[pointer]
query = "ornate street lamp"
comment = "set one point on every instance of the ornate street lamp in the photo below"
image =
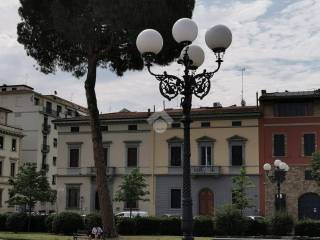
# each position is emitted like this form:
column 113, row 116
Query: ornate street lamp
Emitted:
column 149, row 43
column 277, row 175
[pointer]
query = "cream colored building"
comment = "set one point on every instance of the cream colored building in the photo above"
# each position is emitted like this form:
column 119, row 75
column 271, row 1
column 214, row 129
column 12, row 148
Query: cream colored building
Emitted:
column 222, row 140
column 10, row 145
column 34, row 113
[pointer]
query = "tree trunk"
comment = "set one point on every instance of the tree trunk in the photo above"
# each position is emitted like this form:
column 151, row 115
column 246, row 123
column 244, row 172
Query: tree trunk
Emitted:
column 101, row 178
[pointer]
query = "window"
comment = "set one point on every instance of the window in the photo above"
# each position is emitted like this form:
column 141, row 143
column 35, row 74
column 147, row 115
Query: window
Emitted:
column 36, row 101
column 236, row 123
column 14, row 89
column 308, row 175
column 289, row 109
column 53, row 180
column 55, row 142
column 105, row 155
column 4, row 89
column 1, row 142
column 205, row 154
column 12, row 169
column 54, row 161
column 175, row 198
column 14, row 145
column 73, row 196
column 59, row 110
column 1, row 166
column 175, row 125
column 236, row 155
column 74, row 157
column 69, row 112
column 132, row 156
column 104, row 128
column 74, row 129
column 48, row 107
column 1, row 190
column 279, row 145
column 96, row 201
column 131, row 205
column 175, row 154
column 309, row 142
column 205, row 124
column 132, row 127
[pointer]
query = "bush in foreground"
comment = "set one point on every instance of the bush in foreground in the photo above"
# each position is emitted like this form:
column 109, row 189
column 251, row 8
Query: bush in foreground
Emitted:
column 3, row 220
column 67, row 223
column 203, row 227
column 170, row 226
column 259, row 227
column 92, row 220
column 230, row 222
column 307, row 227
column 17, row 222
column 282, row 224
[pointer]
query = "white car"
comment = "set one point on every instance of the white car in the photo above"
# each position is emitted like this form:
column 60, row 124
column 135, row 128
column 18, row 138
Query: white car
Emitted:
column 133, row 214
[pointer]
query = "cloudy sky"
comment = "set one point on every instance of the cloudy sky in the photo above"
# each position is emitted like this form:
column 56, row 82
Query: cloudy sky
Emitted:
column 277, row 42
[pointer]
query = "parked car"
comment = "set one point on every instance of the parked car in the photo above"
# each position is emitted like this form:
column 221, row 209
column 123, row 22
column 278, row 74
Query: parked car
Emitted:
column 133, row 214
column 255, row 218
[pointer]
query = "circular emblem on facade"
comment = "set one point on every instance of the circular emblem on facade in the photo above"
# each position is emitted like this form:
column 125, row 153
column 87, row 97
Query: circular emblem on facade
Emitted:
column 160, row 126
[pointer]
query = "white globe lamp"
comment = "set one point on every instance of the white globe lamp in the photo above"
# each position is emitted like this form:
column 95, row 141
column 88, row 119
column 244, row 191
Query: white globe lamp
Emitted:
column 184, row 30
column 218, row 38
column 149, row 41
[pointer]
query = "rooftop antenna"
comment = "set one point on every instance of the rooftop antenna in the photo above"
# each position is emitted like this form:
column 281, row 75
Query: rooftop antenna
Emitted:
column 243, row 102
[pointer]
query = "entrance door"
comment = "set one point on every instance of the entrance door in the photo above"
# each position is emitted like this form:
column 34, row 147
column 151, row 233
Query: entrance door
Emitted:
column 309, row 206
column 206, row 201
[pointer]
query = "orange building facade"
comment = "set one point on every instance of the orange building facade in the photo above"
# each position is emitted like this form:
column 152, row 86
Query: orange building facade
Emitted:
column 289, row 130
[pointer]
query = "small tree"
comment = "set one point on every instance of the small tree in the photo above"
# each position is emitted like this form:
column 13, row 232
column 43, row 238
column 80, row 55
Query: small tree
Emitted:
column 28, row 187
column 240, row 198
column 315, row 167
column 132, row 189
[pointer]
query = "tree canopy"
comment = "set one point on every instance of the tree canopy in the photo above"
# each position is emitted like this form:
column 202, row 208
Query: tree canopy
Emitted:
column 61, row 34
column 132, row 189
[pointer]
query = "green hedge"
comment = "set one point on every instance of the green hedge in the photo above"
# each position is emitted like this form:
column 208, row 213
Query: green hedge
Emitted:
column 92, row 220
column 17, row 222
column 3, row 220
column 307, row 227
column 258, row 227
column 203, row 227
column 49, row 222
column 281, row 224
column 170, row 226
column 230, row 222
column 67, row 223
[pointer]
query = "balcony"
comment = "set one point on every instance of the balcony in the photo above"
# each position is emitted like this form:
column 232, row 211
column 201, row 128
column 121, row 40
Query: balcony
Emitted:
column 85, row 171
column 51, row 112
column 205, row 170
column 45, row 148
column 46, row 128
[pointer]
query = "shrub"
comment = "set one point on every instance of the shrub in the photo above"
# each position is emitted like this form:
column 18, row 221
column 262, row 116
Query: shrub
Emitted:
column 203, row 227
column 92, row 220
column 49, row 222
column 3, row 220
column 67, row 223
column 257, row 227
column 229, row 221
column 17, row 222
column 281, row 224
column 307, row 227
column 126, row 226
column 170, row 226
column 147, row 225
column 38, row 224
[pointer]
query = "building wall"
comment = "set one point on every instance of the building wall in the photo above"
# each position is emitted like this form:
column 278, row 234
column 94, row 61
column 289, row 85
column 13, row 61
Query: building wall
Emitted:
column 7, row 156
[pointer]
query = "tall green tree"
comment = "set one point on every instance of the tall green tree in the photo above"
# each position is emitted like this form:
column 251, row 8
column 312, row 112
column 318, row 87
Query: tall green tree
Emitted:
column 315, row 167
column 132, row 189
column 240, row 198
column 78, row 36
column 30, row 186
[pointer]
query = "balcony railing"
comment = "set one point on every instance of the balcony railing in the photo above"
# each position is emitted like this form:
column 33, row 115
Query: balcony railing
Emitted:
column 46, row 128
column 87, row 171
column 45, row 148
column 205, row 170
column 51, row 112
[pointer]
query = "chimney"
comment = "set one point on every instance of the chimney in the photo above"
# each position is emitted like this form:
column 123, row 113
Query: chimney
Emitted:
column 263, row 92
column 217, row 105
column 149, row 111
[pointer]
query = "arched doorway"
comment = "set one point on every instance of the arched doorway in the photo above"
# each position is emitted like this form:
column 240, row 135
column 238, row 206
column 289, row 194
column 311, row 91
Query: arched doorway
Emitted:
column 309, row 206
column 206, row 202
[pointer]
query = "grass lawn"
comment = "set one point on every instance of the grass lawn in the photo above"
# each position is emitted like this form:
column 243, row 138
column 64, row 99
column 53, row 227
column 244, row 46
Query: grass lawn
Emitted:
column 46, row 236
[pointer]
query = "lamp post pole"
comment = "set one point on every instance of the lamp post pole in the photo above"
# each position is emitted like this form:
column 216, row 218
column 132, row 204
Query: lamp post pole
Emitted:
column 149, row 43
column 278, row 176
